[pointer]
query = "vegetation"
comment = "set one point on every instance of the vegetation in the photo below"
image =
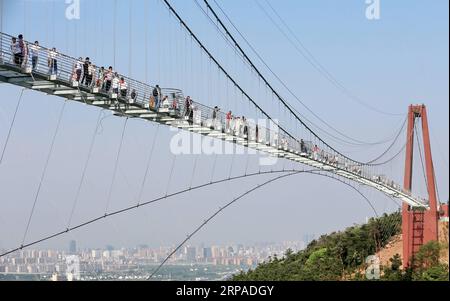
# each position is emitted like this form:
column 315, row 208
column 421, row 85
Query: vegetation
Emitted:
column 342, row 255
column 425, row 266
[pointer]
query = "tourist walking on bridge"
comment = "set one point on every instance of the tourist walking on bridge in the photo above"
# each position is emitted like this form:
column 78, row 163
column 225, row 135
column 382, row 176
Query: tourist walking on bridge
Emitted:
column 216, row 111
column 85, row 71
column 157, row 95
column 78, row 69
column 228, row 120
column 115, row 83
column 15, row 51
column 316, row 151
column 53, row 62
column 101, row 78
column 245, row 127
column 108, row 79
column 188, row 107
column 302, row 146
column 133, row 96
column 34, row 55
column 23, row 57
column 123, row 87
column 90, row 75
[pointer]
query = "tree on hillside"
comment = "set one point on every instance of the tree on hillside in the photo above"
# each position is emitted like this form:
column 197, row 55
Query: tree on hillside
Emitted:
column 394, row 272
column 426, row 265
column 335, row 256
column 323, row 265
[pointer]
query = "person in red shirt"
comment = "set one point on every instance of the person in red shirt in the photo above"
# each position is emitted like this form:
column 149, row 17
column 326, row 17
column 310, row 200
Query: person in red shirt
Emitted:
column 316, row 152
column 228, row 117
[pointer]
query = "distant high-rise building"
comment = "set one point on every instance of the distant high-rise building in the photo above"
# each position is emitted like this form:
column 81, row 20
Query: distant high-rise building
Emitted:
column 215, row 251
column 191, row 254
column 72, row 247
column 96, row 254
column 207, row 253
column 106, row 254
column 199, row 251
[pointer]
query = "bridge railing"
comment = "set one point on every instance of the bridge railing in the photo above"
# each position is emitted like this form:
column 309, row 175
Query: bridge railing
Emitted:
column 65, row 71
column 141, row 95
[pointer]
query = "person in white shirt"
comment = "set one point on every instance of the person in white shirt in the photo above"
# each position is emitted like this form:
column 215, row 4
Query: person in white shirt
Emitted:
column 237, row 126
column 123, row 87
column 34, row 55
column 101, row 78
column 15, row 51
column 108, row 78
column 115, row 83
column 78, row 69
column 52, row 61
column 90, row 74
column 233, row 125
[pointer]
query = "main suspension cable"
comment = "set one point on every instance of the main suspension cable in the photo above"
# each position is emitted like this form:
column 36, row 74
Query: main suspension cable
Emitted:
column 236, row 45
column 392, row 145
column 245, row 60
column 170, row 7
column 315, row 63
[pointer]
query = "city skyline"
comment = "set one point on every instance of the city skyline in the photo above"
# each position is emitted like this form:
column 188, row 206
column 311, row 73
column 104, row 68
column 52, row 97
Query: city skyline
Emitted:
column 73, row 245
column 136, row 263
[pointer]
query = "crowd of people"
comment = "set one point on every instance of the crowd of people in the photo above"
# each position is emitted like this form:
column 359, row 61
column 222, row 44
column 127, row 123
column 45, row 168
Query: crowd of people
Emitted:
column 106, row 80
column 19, row 50
column 84, row 72
column 21, row 53
column 235, row 125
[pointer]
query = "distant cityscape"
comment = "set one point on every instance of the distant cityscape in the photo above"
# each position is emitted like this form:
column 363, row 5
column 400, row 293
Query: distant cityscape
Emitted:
column 110, row 263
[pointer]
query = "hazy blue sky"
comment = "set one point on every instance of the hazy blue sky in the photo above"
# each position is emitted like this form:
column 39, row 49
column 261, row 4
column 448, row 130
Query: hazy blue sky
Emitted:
column 390, row 63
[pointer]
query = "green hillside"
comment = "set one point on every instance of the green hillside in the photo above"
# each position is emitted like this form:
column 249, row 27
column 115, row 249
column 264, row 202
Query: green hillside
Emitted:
column 342, row 255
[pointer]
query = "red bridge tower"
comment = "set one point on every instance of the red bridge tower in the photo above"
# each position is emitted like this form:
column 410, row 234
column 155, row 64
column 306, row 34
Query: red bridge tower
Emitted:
column 419, row 226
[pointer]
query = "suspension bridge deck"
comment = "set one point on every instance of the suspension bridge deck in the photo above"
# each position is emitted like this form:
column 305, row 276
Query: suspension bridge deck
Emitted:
column 174, row 113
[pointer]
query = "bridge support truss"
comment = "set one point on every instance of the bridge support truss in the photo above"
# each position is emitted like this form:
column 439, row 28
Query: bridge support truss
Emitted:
column 419, row 226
